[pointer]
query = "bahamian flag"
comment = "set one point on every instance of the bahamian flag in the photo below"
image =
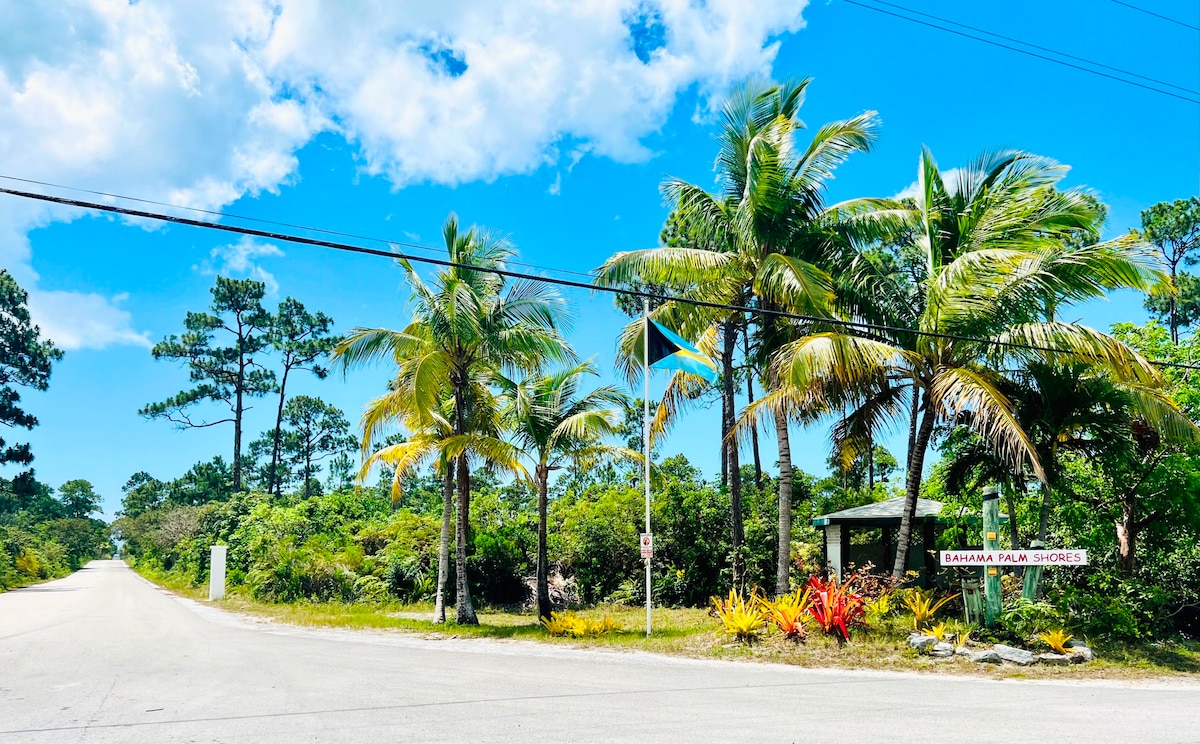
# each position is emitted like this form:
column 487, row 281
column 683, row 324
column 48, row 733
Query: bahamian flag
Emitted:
column 667, row 350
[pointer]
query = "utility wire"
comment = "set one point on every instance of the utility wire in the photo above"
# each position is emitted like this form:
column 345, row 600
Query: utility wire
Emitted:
column 1026, row 52
column 397, row 255
column 1157, row 15
column 214, row 213
column 1035, row 46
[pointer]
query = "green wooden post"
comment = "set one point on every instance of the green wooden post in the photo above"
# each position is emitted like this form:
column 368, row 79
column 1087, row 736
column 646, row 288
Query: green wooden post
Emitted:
column 1033, row 574
column 972, row 598
column 991, row 541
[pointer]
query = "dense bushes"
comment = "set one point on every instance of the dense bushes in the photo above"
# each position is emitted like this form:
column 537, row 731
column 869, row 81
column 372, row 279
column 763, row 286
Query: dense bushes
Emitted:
column 352, row 545
column 44, row 537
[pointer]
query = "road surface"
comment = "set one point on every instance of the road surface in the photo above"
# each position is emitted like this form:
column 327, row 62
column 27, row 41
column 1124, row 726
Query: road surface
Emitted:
column 104, row 656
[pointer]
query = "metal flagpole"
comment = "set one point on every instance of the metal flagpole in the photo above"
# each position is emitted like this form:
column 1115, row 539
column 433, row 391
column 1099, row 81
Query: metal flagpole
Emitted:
column 646, row 433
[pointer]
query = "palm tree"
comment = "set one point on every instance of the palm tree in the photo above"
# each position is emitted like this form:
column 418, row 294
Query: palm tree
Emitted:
column 466, row 327
column 998, row 250
column 767, row 238
column 553, row 424
column 431, row 440
column 1077, row 409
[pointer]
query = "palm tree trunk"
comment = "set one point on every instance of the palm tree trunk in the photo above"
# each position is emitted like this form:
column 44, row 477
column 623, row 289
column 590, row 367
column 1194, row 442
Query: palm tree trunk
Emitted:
column 783, row 565
column 1044, row 516
column 543, row 558
column 439, row 606
column 871, row 466
column 464, row 610
column 750, row 400
column 916, row 463
column 1127, row 533
column 731, row 451
column 274, row 482
column 1010, row 501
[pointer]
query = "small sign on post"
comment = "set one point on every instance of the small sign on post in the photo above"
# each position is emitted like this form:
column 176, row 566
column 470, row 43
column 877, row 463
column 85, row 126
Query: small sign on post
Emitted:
column 647, row 545
column 216, row 572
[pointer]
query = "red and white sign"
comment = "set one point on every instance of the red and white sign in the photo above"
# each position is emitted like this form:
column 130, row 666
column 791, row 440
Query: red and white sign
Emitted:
column 647, row 544
column 1014, row 557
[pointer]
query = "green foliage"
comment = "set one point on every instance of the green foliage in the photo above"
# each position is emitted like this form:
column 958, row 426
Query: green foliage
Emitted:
column 1025, row 619
column 79, row 499
column 25, row 362
column 1104, row 605
column 226, row 375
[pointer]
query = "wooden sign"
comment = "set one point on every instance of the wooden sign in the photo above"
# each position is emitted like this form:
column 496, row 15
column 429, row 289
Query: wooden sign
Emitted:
column 1014, row 558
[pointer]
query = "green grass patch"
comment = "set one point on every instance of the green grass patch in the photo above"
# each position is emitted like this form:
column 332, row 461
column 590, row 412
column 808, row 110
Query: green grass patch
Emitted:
column 693, row 633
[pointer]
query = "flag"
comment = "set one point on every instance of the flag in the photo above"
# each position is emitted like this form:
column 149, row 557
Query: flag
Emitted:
column 667, row 350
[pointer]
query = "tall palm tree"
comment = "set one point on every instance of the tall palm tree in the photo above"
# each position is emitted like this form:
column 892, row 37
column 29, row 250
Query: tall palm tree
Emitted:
column 432, row 440
column 553, row 423
column 767, row 237
column 998, row 251
column 469, row 324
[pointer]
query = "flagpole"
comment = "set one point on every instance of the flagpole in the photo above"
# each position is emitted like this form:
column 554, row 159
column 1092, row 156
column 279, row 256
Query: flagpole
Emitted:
column 646, row 433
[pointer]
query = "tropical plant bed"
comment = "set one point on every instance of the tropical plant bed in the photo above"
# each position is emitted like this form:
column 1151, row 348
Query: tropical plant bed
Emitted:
column 694, row 633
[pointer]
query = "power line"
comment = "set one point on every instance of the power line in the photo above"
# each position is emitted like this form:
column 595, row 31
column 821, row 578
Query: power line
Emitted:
column 1157, row 15
column 215, row 213
column 1025, row 52
column 396, row 255
column 1035, row 46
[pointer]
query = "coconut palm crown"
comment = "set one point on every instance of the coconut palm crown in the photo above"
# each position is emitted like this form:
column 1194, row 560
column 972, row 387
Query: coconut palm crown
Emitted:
column 997, row 249
column 470, row 323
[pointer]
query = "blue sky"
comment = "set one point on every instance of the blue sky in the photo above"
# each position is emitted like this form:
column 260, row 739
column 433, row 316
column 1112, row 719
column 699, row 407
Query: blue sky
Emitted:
column 554, row 129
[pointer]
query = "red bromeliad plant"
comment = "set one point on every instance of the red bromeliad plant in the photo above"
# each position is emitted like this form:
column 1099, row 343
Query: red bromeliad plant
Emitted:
column 836, row 606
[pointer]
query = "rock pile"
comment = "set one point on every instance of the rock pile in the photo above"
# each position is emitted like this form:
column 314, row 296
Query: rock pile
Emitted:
column 1077, row 652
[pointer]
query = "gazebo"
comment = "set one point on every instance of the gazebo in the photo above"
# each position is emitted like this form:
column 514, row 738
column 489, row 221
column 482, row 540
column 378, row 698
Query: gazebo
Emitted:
column 883, row 516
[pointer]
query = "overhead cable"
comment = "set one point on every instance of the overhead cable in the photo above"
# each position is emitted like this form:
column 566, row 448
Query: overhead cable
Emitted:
column 398, row 255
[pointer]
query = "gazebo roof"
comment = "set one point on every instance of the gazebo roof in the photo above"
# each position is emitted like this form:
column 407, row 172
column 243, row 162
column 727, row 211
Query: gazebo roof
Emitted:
column 883, row 513
column 879, row 514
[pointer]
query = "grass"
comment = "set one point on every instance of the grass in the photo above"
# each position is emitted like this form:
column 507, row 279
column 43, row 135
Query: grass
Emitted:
column 693, row 633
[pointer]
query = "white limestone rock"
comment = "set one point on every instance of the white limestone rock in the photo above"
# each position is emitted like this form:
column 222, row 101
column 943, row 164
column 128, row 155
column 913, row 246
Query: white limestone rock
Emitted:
column 1017, row 656
column 922, row 643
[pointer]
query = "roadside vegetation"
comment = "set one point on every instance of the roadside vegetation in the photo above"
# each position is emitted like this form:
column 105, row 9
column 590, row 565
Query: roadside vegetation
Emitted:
column 44, row 533
column 495, row 483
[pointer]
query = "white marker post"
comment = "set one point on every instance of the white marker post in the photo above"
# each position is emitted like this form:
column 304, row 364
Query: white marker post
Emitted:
column 646, row 444
column 216, row 572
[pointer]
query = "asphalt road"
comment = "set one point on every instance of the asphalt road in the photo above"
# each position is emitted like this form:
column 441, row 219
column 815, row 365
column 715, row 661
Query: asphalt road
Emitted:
column 103, row 656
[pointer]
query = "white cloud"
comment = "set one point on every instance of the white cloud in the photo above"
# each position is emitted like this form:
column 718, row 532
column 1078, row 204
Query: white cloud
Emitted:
column 949, row 179
column 556, row 188
column 239, row 260
column 202, row 103
column 91, row 320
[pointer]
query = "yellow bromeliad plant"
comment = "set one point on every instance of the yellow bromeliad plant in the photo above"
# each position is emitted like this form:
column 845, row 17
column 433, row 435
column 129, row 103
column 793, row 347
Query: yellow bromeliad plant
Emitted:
column 570, row 624
column 788, row 612
column 923, row 606
column 939, row 631
column 879, row 608
column 1056, row 640
column 741, row 617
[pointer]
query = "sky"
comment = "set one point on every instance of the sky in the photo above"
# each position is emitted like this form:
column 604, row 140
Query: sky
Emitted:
column 551, row 123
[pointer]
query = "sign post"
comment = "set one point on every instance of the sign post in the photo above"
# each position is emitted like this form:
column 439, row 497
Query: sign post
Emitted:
column 647, row 541
column 1033, row 575
column 216, row 572
column 991, row 541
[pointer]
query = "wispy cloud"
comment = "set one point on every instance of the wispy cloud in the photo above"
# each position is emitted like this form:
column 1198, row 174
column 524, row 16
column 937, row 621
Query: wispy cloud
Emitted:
column 240, row 259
